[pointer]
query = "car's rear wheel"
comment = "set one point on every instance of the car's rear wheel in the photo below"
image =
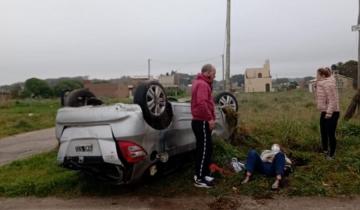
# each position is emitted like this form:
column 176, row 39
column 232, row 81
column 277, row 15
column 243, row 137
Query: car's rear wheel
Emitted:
column 81, row 97
column 227, row 100
column 153, row 101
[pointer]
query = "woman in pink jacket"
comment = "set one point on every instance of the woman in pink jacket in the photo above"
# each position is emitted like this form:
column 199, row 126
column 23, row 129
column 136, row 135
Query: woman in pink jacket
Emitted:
column 328, row 104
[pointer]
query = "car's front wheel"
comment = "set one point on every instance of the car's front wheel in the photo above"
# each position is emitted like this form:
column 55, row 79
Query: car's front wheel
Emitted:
column 156, row 109
column 227, row 100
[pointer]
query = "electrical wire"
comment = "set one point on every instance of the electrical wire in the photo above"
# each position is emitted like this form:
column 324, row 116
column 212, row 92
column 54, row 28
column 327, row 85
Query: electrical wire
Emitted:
column 186, row 63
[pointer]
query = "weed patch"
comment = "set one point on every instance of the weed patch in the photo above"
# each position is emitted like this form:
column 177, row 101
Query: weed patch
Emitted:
column 349, row 129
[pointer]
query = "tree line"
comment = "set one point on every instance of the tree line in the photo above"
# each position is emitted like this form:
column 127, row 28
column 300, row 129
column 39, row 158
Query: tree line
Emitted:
column 38, row 88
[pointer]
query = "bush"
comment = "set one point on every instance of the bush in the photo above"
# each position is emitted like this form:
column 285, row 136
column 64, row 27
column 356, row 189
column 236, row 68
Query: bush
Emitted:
column 37, row 88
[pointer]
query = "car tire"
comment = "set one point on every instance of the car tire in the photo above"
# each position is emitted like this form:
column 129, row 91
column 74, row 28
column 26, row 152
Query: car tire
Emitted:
column 156, row 109
column 81, row 97
column 226, row 99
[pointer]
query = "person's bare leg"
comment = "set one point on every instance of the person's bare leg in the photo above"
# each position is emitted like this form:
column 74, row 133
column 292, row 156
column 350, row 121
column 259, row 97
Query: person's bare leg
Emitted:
column 247, row 178
column 276, row 184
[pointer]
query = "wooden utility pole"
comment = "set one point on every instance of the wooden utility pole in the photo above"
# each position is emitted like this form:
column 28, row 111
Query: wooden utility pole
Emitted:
column 149, row 68
column 357, row 28
column 358, row 71
column 355, row 102
column 227, row 75
column 223, row 71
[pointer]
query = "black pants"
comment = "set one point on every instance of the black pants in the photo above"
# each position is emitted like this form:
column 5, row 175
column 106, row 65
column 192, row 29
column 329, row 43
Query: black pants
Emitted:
column 327, row 130
column 203, row 147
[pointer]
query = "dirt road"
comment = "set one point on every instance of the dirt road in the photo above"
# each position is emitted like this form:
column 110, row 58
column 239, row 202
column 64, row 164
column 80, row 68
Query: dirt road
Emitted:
column 184, row 203
column 26, row 144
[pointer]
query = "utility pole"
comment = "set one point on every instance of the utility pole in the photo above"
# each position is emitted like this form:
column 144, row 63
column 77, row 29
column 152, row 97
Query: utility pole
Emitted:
column 223, row 71
column 149, row 69
column 358, row 72
column 227, row 75
column 357, row 28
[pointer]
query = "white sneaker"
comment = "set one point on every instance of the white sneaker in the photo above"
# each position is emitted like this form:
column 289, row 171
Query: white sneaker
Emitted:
column 330, row 157
column 203, row 183
column 209, row 178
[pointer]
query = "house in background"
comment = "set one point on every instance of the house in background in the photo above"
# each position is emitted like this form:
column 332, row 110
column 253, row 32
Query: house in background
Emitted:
column 169, row 80
column 258, row 79
column 342, row 82
column 117, row 88
column 175, row 82
column 180, row 80
column 4, row 95
column 112, row 90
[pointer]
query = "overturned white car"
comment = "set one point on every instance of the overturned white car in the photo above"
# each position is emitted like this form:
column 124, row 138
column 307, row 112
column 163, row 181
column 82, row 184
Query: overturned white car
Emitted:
column 122, row 142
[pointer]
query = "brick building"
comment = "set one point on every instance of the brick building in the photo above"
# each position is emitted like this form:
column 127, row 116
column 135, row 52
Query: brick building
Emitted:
column 123, row 89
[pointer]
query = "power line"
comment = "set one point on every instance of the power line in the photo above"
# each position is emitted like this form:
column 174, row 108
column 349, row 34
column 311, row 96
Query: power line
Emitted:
column 186, row 63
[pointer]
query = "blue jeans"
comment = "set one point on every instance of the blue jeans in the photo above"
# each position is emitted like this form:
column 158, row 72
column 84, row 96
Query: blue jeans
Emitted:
column 254, row 163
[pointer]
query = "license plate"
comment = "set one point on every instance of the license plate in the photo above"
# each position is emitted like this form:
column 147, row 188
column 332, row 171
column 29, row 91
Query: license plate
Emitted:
column 84, row 148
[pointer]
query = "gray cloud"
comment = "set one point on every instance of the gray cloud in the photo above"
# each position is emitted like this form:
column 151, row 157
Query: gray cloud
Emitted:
column 107, row 39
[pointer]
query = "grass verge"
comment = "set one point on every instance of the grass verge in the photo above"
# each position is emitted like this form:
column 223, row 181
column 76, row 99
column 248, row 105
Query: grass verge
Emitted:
column 287, row 118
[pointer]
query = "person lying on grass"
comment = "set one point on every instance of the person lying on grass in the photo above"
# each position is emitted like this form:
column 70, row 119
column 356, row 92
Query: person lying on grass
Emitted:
column 272, row 163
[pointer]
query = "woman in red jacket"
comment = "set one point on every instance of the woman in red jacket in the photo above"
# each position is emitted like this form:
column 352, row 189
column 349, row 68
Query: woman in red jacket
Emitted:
column 327, row 100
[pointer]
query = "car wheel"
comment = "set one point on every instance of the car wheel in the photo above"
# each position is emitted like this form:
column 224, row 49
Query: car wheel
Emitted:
column 81, row 97
column 226, row 99
column 156, row 109
column 63, row 95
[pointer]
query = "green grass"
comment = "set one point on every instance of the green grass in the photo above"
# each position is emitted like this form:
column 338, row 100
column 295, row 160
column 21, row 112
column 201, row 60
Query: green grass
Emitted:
column 24, row 115
column 38, row 176
column 289, row 118
column 18, row 116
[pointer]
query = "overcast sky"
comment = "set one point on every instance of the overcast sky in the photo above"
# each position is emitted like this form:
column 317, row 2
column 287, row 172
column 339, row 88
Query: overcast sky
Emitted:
column 112, row 38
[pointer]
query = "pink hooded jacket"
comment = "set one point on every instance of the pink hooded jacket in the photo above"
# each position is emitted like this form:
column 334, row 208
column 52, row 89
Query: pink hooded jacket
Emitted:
column 327, row 96
column 202, row 104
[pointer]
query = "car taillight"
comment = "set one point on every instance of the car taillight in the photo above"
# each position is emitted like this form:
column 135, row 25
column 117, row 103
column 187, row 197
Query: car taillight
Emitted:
column 132, row 152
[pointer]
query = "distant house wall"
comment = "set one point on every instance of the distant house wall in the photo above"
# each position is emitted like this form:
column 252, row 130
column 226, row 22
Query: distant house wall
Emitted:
column 108, row 90
column 343, row 82
column 312, row 85
column 258, row 85
column 258, row 79
column 123, row 89
column 4, row 95
column 167, row 80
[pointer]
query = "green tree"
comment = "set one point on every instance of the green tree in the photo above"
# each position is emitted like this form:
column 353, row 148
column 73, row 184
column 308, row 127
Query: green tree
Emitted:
column 292, row 85
column 35, row 87
column 308, row 78
column 67, row 85
column 238, row 78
